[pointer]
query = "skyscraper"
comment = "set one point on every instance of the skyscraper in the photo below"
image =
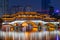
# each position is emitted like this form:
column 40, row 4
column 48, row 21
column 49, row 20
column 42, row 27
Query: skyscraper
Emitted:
column 45, row 4
column 3, row 6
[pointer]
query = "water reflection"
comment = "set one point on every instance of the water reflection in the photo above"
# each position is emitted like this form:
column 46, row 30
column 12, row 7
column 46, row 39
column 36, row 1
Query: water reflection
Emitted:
column 29, row 36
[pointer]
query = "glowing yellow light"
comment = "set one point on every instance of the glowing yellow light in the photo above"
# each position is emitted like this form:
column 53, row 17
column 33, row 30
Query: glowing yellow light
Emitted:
column 25, row 24
column 12, row 29
column 35, row 29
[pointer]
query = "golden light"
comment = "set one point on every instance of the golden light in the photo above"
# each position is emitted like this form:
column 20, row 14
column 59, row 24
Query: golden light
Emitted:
column 51, row 29
column 11, row 29
column 24, row 24
column 35, row 29
column 15, row 24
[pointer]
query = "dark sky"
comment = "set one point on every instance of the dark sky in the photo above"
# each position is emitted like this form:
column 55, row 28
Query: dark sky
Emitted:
column 56, row 4
column 34, row 3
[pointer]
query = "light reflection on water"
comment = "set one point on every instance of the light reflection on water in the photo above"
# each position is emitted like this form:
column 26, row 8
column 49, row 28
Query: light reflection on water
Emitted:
column 54, row 35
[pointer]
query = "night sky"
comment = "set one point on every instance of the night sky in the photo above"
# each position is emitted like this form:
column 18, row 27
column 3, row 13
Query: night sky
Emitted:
column 56, row 4
column 35, row 4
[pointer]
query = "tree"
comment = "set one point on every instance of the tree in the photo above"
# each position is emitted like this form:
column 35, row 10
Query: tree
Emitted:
column 1, row 23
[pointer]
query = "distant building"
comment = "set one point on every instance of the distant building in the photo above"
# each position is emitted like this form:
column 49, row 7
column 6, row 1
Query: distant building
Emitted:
column 28, row 9
column 15, row 9
column 45, row 4
column 3, row 6
column 18, row 8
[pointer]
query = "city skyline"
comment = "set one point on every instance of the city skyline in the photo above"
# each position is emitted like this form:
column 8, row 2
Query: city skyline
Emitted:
column 35, row 4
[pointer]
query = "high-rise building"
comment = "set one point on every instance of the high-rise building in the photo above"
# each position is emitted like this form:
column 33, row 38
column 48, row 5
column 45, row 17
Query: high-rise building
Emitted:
column 3, row 6
column 45, row 4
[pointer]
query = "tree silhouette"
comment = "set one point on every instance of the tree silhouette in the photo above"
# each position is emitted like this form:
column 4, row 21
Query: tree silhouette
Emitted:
column 1, row 23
